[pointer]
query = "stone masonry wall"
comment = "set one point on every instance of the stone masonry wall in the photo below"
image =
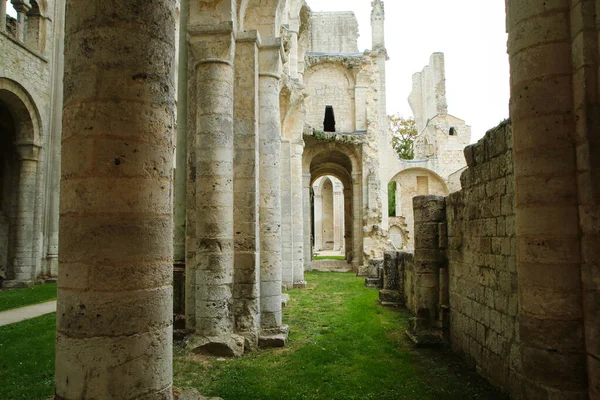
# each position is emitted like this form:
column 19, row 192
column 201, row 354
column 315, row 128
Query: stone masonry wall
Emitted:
column 482, row 260
column 333, row 32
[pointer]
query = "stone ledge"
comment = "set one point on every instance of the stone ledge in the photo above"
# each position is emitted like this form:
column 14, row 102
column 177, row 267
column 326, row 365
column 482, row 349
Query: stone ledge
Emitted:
column 272, row 338
column 220, row 346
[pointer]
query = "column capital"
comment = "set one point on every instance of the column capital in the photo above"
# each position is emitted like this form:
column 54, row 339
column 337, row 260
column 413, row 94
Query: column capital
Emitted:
column 271, row 58
column 28, row 151
column 213, row 43
column 21, row 6
column 248, row 36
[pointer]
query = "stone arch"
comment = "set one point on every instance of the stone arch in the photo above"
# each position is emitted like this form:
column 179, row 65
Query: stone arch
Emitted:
column 261, row 15
column 341, row 161
column 212, row 12
column 23, row 110
column 330, row 84
column 20, row 133
column 413, row 182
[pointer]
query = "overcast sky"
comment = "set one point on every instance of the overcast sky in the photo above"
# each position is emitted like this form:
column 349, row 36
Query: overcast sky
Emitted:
column 472, row 35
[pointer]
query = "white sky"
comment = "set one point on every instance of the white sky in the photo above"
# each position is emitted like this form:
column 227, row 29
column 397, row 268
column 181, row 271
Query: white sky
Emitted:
column 472, row 35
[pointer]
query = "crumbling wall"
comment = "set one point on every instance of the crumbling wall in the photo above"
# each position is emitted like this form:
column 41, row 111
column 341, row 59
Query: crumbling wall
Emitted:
column 333, row 32
column 428, row 96
column 482, row 259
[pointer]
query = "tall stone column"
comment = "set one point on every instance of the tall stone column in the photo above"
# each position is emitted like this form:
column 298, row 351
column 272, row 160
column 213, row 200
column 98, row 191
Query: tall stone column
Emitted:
column 286, row 213
column 357, row 245
column 430, row 215
column 114, row 316
column 318, row 221
column 348, row 223
column 246, row 282
column 306, row 202
column 338, row 216
column 3, row 15
column 21, row 269
column 180, row 178
column 546, row 199
column 270, row 193
column 298, row 226
column 213, row 53
column 22, row 7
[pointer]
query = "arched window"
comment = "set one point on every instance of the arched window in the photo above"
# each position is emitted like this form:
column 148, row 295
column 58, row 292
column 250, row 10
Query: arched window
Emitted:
column 452, row 131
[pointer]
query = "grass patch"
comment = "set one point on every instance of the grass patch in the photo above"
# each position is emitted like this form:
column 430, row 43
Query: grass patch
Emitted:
column 316, row 258
column 342, row 345
column 15, row 298
column 27, row 359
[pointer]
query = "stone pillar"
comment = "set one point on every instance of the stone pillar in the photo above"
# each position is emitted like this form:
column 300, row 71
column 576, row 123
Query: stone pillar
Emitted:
column 348, row 222
column 246, row 284
column 298, row 226
column 430, row 213
column 270, row 194
column 318, row 220
column 114, row 329
column 546, row 199
column 3, row 15
column 22, row 7
column 338, row 216
column 306, row 212
column 213, row 53
column 357, row 246
column 21, row 263
column 180, row 181
column 286, row 213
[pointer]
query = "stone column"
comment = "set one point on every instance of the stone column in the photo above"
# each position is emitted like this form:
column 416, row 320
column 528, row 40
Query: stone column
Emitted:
column 318, row 221
column 348, row 223
column 306, row 202
column 246, row 282
column 114, row 316
column 3, row 15
column 546, row 198
column 180, row 181
column 22, row 7
column 430, row 212
column 286, row 213
column 21, row 268
column 213, row 53
column 270, row 193
column 298, row 226
column 338, row 216
column 357, row 245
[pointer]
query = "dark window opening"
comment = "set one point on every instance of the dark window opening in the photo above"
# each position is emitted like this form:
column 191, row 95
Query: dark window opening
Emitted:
column 452, row 131
column 329, row 122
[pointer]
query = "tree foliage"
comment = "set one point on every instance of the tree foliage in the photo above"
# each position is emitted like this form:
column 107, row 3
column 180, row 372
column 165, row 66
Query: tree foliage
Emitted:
column 404, row 132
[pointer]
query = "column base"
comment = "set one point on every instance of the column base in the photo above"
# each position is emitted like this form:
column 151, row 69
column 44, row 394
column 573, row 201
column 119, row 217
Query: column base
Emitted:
column 274, row 337
column 190, row 394
column 300, row 284
column 424, row 337
column 14, row 284
column 390, row 298
column 220, row 346
column 285, row 298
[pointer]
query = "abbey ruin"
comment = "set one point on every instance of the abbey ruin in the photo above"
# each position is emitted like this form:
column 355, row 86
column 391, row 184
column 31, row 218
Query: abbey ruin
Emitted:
column 188, row 157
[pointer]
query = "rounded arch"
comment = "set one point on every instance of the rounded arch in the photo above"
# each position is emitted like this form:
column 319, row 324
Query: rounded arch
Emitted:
column 25, row 113
column 261, row 15
column 404, row 172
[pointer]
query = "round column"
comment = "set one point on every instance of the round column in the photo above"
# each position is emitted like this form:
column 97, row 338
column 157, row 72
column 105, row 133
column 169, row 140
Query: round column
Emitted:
column 298, row 214
column 114, row 316
column 21, row 271
column 270, row 194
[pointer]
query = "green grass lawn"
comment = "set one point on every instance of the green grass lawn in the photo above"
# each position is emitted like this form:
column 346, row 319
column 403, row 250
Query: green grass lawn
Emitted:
column 342, row 345
column 317, row 258
column 27, row 359
column 14, row 298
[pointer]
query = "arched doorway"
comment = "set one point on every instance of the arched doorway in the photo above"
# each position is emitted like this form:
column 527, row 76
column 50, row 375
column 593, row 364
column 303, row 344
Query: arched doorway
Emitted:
column 328, row 209
column 19, row 168
column 339, row 161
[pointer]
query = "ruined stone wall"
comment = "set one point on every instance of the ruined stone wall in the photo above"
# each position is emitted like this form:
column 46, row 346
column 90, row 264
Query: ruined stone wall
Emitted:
column 330, row 84
column 428, row 95
column 482, row 259
column 333, row 32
